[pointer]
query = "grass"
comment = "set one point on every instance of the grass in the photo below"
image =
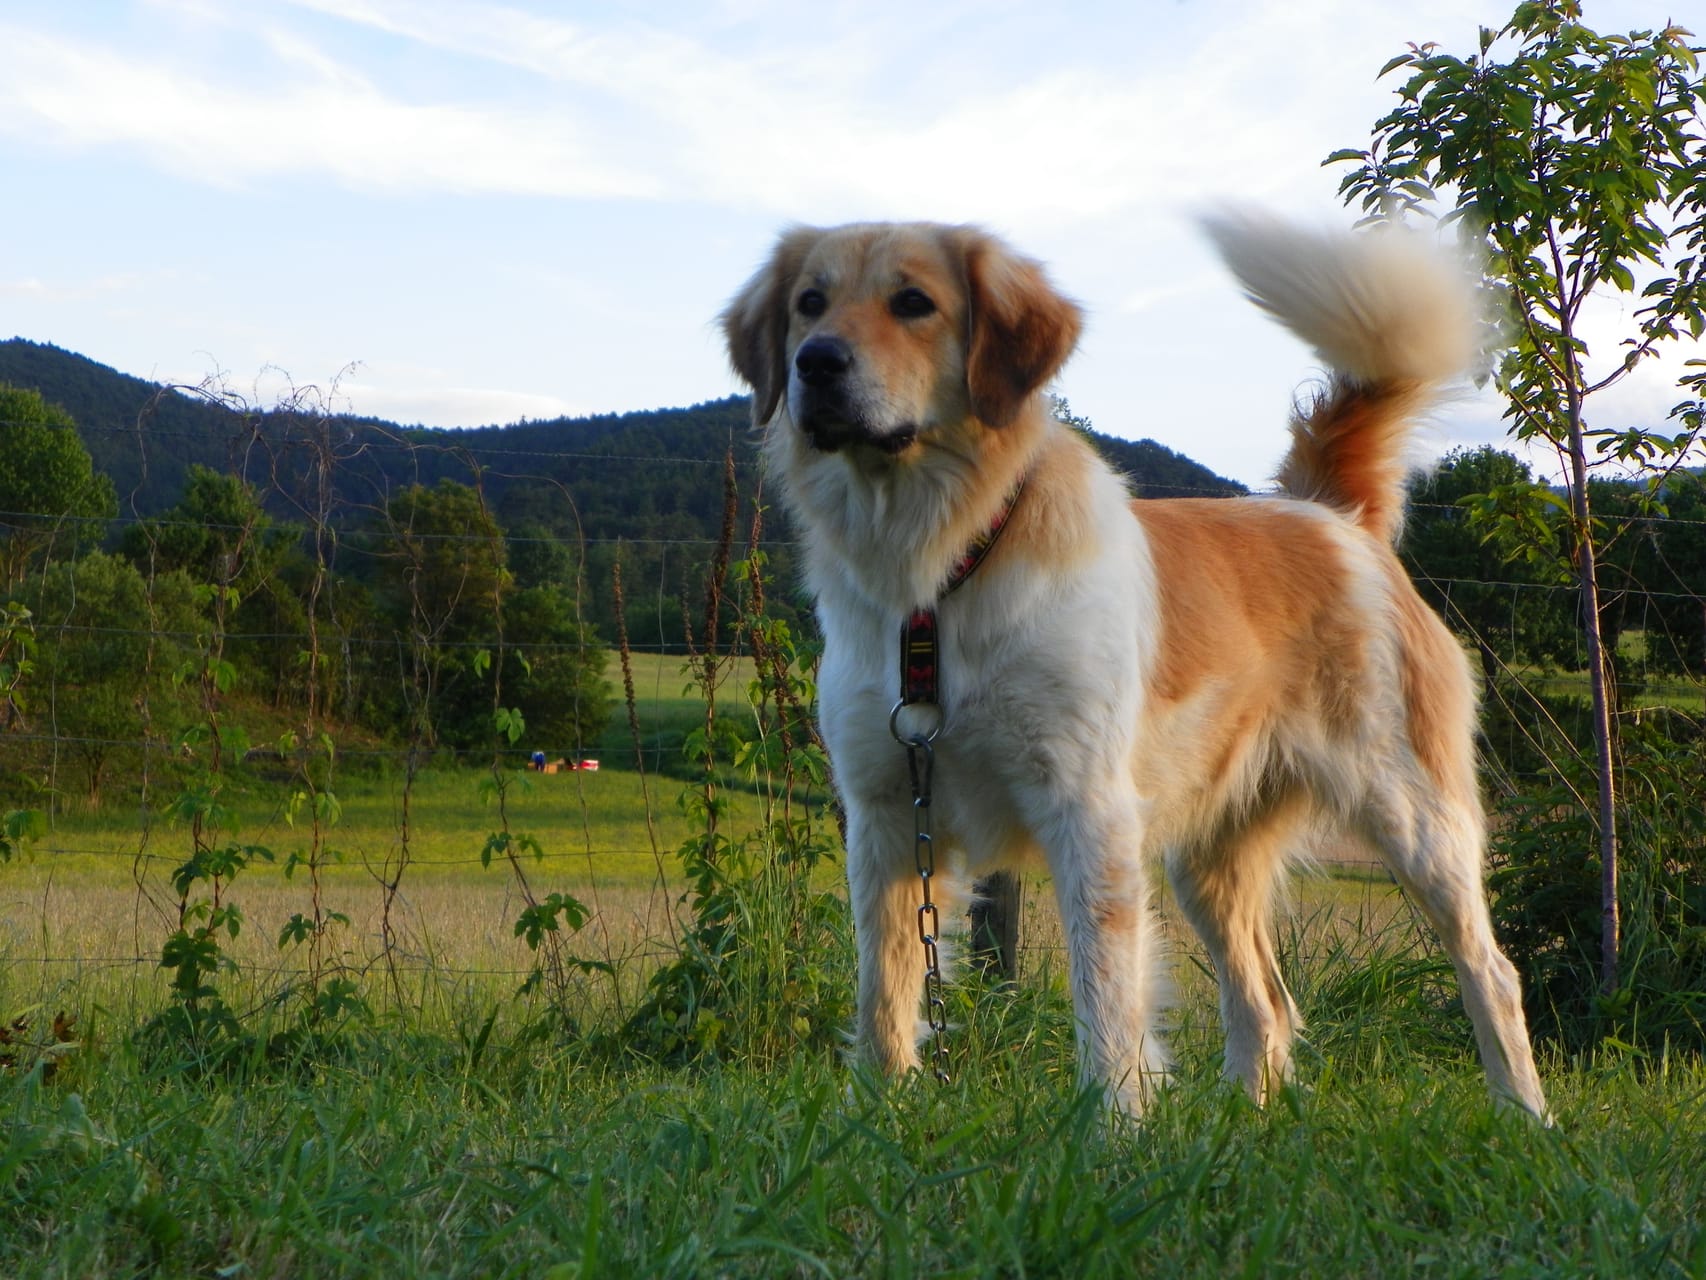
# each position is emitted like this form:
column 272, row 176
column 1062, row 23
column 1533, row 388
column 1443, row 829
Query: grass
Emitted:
column 1649, row 688
column 80, row 927
column 416, row 1152
column 457, row 1132
column 93, row 900
column 612, row 814
column 447, row 1138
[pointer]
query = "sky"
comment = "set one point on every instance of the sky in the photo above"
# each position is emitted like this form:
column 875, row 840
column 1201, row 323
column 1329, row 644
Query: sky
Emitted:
column 455, row 214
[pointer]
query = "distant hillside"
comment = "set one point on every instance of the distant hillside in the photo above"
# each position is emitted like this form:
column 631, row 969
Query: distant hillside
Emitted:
column 107, row 406
column 1155, row 471
column 145, row 437
column 649, row 482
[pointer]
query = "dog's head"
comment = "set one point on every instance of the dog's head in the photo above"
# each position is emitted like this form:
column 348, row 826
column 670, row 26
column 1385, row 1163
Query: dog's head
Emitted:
column 877, row 334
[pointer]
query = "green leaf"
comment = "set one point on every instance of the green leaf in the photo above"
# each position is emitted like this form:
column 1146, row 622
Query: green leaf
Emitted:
column 327, row 808
column 510, row 723
column 296, row 931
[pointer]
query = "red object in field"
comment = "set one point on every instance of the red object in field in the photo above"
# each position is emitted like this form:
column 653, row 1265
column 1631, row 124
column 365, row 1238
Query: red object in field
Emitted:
column 563, row 766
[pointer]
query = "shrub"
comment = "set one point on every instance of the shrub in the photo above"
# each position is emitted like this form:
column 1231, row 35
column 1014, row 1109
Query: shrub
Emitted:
column 1545, row 883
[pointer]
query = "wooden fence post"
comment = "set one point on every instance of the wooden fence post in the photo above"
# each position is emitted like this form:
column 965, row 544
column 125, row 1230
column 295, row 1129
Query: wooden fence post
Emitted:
column 995, row 927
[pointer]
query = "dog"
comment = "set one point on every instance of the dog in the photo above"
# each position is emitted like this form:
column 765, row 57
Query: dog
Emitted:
column 1199, row 682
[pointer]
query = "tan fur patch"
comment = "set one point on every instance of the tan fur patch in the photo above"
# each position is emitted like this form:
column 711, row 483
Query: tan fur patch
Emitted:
column 1051, row 524
column 1439, row 695
column 1253, row 596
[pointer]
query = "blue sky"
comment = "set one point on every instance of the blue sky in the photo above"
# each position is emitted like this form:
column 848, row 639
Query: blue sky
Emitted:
column 469, row 213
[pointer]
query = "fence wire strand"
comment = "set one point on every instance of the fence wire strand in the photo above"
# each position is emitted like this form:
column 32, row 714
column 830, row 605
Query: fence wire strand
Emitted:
column 315, row 490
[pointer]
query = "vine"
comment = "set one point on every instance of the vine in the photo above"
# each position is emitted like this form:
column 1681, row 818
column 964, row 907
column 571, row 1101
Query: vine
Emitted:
column 755, row 970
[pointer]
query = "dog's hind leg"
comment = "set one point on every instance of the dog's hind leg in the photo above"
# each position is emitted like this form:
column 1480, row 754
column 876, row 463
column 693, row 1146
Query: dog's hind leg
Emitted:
column 1226, row 889
column 1433, row 841
column 883, row 885
column 1113, row 948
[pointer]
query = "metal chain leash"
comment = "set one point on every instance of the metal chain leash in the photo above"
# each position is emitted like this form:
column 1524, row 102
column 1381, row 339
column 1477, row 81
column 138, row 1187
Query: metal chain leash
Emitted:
column 920, row 762
column 920, row 686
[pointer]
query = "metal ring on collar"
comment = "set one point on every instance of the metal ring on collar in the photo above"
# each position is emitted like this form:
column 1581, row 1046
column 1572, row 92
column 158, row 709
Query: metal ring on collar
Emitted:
column 916, row 739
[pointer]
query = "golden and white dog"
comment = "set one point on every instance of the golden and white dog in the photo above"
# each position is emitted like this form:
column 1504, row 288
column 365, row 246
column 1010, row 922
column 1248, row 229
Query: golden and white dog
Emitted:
column 1198, row 680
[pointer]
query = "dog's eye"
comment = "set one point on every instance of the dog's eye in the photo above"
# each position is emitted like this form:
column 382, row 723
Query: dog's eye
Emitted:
column 909, row 304
column 811, row 304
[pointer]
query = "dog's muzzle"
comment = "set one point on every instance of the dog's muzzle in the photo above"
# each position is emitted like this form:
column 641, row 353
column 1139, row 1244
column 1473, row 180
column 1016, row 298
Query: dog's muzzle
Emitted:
column 824, row 412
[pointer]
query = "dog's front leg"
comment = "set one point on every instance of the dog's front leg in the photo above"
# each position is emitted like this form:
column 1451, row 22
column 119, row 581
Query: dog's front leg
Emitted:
column 883, row 883
column 1113, row 949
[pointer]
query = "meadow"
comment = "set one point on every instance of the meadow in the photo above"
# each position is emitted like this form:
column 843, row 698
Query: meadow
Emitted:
column 426, row 1147
column 455, row 1130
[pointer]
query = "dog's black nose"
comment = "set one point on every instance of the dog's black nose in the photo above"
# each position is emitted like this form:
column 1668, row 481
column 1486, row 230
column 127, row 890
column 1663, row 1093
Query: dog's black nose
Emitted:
column 820, row 361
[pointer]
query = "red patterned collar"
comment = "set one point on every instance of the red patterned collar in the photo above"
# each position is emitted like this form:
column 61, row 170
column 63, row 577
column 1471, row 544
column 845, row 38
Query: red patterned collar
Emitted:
column 980, row 545
column 920, row 665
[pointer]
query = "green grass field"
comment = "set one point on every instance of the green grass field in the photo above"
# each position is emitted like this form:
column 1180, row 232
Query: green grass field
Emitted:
column 93, row 899
column 456, row 1133
column 432, row 1151
column 88, row 909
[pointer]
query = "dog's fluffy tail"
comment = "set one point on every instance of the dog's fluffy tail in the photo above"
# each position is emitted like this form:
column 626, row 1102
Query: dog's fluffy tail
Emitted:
column 1392, row 317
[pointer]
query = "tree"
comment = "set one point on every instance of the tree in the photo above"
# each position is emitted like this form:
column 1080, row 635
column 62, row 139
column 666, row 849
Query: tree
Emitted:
column 107, row 638
column 1575, row 159
column 554, row 671
column 49, row 488
column 1653, row 574
column 1151, row 470
column 445, row 559
column 216, row 532
column 539, row 558
column 1504, row 603
column 446, row 583
column 1676, row 554
column 444, row 576
column 219, row 535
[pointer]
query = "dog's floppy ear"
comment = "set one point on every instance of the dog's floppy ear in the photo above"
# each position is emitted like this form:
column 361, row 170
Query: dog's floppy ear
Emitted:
column 755, row 323
column 1020, row 330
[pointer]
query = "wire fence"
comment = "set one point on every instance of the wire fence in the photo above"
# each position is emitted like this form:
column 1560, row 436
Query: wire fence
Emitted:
column 317, row 661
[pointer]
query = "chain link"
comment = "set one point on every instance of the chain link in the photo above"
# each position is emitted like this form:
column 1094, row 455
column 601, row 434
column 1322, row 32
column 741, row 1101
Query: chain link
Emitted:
column 920, row 760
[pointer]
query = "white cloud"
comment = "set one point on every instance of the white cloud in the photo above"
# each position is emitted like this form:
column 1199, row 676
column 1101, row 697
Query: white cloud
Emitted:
column 655, row 148
column 319, row 119
column 794, row 126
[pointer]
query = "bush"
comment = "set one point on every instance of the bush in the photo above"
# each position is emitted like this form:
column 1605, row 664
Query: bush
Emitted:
column 1545, row 883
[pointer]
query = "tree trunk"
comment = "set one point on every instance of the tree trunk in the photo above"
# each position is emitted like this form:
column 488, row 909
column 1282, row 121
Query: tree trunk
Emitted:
column 1599, row 674
column 1489, row 666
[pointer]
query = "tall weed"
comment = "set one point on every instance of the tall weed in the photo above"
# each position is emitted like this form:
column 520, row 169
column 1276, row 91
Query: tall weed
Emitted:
column 760, row 969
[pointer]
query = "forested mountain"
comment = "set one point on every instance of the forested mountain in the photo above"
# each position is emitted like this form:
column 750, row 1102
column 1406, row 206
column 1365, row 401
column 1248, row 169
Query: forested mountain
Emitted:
column 649, row 482
column 107, row 406
column 642, row 465
column 393, row 562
